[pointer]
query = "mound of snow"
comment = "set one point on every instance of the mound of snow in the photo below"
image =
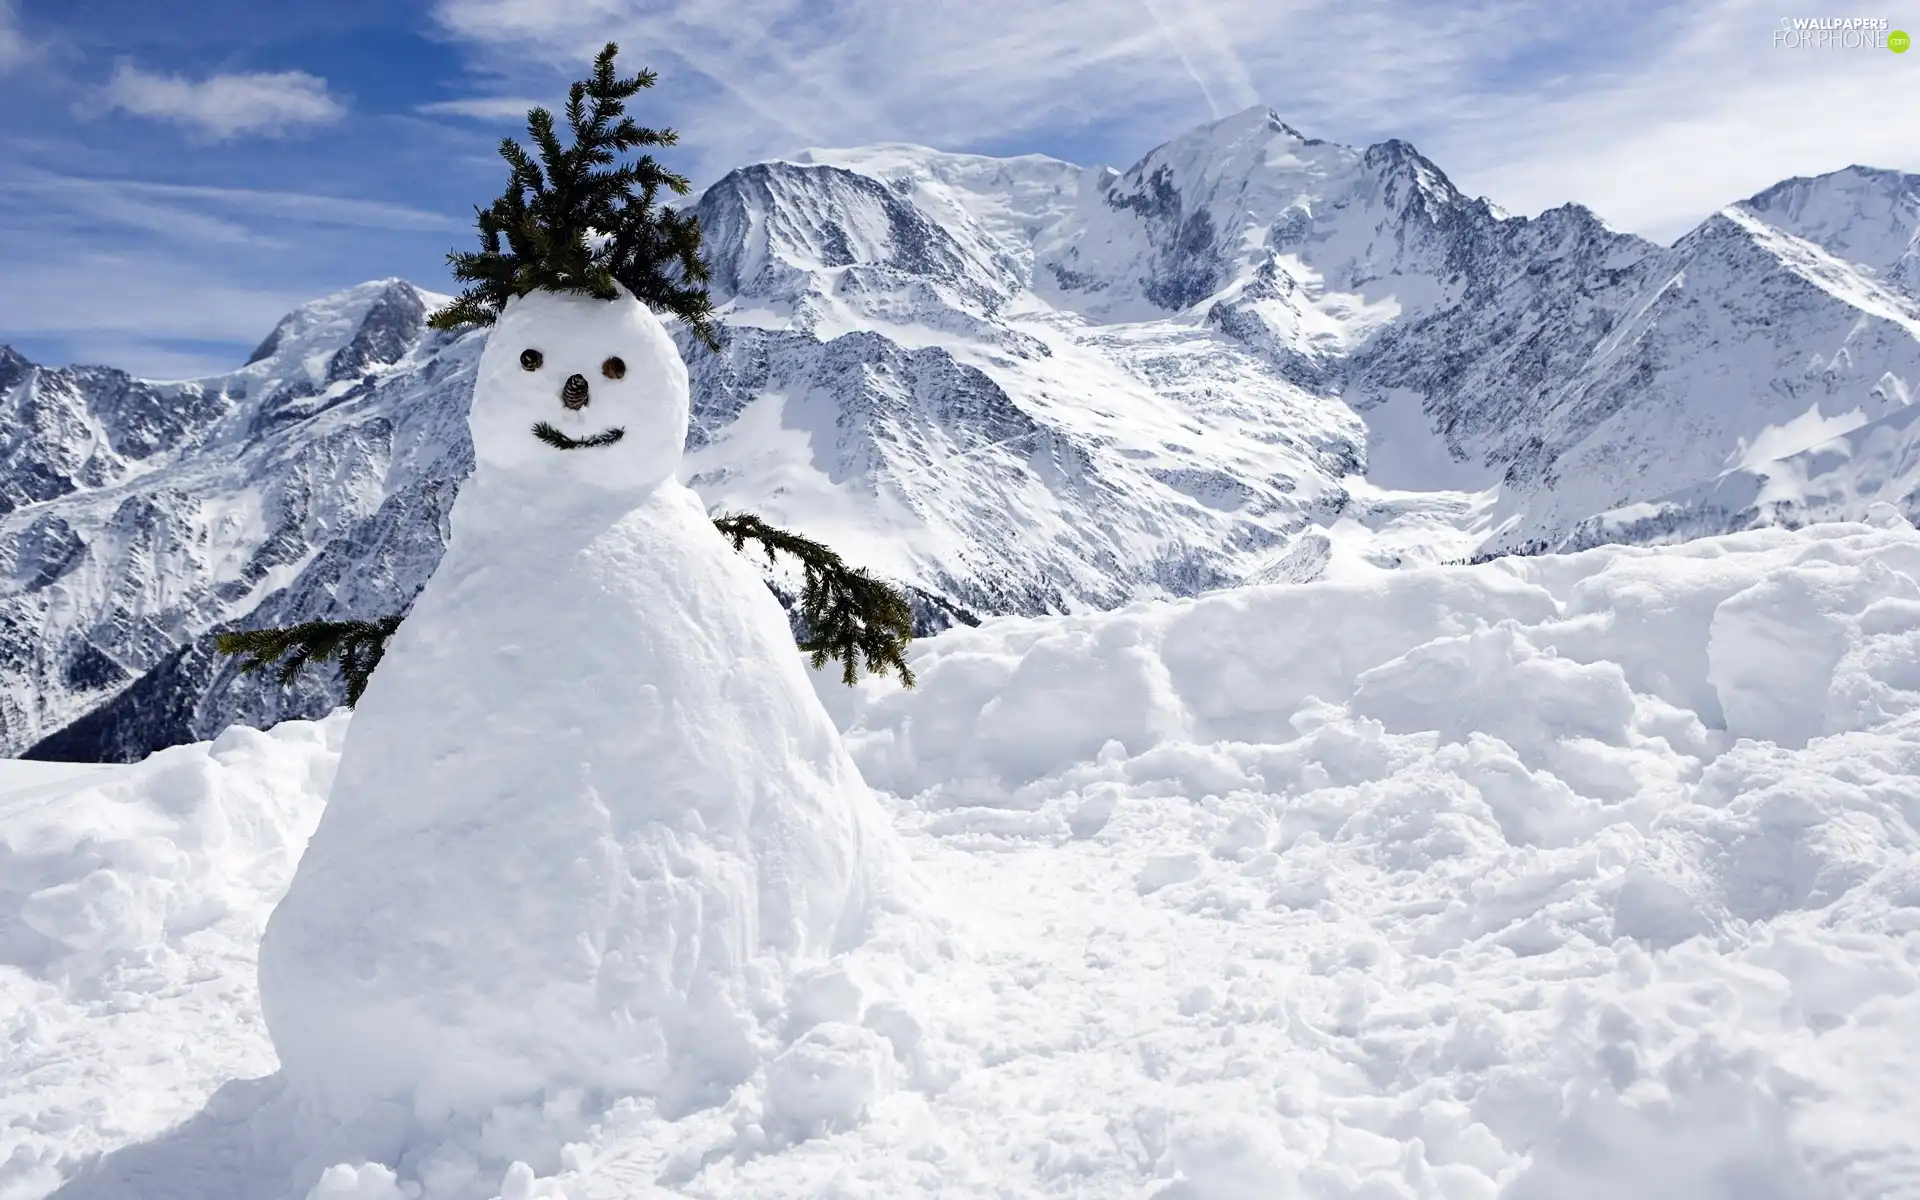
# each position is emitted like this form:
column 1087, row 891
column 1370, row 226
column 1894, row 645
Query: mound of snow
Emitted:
column 1571, row 876
column 1768, row 634
column 131, row 904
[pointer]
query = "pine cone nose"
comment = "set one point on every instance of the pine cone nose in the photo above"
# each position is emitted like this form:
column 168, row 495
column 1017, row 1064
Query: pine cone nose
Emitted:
column 573, row 393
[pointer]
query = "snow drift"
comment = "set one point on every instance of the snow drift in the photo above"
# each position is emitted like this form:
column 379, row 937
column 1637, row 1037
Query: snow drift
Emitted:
column 1766, row 635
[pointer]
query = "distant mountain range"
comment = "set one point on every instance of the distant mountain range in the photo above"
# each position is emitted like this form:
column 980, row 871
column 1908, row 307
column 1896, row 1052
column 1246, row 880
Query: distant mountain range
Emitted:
column 1017, row 385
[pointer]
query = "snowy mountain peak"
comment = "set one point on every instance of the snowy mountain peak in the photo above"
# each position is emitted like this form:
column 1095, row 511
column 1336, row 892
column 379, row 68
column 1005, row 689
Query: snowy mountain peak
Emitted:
column 1738, row 231
column 819, row 245
column 1866, row 215
column 1252, row 154
column 1194, row 221
column 1398, row 160
column 1254, row 129
column 1257, row 118
column 1228, row 140
column 1017, row 385
column 338, row 336
column 320, row 353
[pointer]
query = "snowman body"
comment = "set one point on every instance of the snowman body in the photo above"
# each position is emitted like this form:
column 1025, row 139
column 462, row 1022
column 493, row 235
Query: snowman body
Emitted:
column 589, row 814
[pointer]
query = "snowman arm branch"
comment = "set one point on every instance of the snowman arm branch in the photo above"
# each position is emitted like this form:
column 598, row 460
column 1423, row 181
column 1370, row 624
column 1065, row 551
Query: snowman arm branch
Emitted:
column 357, row 646
column 849, row 615
column 855, row 618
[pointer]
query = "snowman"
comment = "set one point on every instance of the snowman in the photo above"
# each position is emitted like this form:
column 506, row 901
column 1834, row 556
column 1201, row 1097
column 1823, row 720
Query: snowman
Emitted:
column 590, row 818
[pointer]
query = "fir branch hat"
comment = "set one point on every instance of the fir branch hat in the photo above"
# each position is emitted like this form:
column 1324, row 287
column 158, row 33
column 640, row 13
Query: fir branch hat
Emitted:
column 577, row 220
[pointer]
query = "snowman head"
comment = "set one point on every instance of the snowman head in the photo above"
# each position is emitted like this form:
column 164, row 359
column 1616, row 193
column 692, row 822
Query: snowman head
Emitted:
column 575, row 389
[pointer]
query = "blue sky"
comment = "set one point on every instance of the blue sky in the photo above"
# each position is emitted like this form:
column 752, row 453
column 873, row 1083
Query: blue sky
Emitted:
column 177, row 173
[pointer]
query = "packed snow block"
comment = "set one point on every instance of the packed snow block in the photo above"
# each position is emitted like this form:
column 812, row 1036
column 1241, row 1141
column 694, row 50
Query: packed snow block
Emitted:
column 103, row 863
column 590, row 816
column 1246, row 660
column 367, row 1181
column 1878, row 679
column 1074, row 692
column 1715, row 1130
column 1654, row 908
column 1496, row 682
column 1773, row 648
column 1017, row 700
column 1650, row 615
column 826, row 1081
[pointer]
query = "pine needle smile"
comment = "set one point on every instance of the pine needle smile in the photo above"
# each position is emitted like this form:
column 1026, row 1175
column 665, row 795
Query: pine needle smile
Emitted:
column 560, row 441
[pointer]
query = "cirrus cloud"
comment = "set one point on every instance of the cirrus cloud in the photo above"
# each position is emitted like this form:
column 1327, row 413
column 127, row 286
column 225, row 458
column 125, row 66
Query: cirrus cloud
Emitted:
column 482, row 108
column 14, row 46
column 1652, row 112
column 223, row 106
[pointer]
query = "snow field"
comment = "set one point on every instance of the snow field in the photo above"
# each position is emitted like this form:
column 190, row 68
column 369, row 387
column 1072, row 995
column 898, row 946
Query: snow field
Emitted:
column 131, row 904
column 1582, row 876
column 1448, row 883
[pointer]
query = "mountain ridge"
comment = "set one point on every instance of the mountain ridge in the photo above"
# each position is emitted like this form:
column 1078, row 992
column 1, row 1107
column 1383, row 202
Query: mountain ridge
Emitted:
column 1017, row 385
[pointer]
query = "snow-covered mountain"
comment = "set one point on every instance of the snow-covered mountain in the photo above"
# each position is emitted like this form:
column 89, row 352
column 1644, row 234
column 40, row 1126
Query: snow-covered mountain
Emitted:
column 314, row 479
column 1018, row 385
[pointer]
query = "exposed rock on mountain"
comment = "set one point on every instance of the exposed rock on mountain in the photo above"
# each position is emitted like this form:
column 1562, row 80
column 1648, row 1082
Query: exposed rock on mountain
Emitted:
column 1016, row 385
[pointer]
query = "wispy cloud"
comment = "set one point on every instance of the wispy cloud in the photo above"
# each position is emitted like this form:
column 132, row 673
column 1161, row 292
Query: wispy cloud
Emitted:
column 959, row 73
column 133, row 309
column 1709, row 113
column 1653, row 111
column 14, row 46
column 223, row 106
column 144, row 358
column 171, row 280
column 1209, row 58
column 65, row 207
column 294, row 206
column 198, row 214
column 482, row 108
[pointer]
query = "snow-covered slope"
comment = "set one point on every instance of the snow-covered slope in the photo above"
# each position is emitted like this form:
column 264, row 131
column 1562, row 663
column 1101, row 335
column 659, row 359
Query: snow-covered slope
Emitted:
column 1558, row 877
column 1863, row 215
column 1831, row 481
column 1608, row 372
column 1017, row 385
column 312, row 481
column 1741, row 344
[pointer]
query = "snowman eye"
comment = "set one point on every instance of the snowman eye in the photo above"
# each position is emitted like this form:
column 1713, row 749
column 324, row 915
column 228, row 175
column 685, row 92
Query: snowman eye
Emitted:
column 614, row 368
column 530, row 360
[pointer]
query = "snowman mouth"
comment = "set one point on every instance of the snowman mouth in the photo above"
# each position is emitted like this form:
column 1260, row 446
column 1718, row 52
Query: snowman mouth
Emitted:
column 560, row 441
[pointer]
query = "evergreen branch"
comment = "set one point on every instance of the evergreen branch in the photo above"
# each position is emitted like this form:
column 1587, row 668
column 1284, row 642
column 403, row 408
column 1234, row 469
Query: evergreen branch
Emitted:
column 540, row 234
column 356, row 645
column 560, row 441
column 850, row 617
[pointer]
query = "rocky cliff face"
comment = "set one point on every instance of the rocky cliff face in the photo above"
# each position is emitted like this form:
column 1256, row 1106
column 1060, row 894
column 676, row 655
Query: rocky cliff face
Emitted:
column 1017, row 385
column 313, row 481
